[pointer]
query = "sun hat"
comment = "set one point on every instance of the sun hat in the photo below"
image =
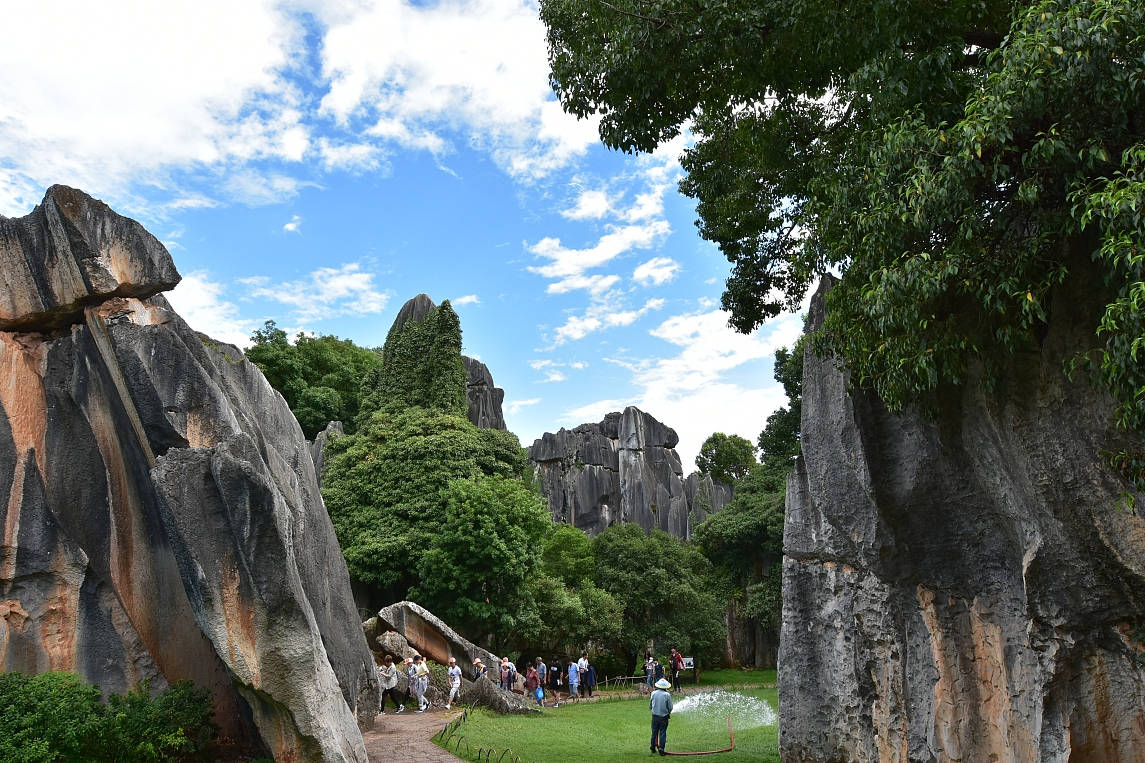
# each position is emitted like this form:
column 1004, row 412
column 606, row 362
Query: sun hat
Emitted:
column 663, row 684
column 504, row 659
column 452, row 660
column 476, row 660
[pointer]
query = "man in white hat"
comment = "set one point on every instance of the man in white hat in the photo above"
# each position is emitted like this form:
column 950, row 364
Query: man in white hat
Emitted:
column 661, row 706
column 454, row 674
column 479, row 668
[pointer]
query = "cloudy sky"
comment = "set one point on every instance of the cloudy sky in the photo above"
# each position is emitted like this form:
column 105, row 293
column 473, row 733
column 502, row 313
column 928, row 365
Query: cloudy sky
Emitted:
column 318, row 163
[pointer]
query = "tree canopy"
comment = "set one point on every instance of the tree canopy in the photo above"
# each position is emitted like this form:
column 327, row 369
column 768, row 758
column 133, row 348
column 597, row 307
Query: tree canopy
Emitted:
column 726, row 458
column 956, row 163
column 320, row 377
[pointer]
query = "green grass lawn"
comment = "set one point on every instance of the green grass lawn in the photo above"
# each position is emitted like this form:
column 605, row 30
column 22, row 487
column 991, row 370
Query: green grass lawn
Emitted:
column 618, row 731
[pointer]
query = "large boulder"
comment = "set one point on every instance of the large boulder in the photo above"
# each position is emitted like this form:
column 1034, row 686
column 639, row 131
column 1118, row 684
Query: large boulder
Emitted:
column 485, row 398
column 622, row 469
column 964, row 585
column 161, row 516
column 430, row 636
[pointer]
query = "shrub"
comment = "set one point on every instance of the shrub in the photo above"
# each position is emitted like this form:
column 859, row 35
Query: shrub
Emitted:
column 57, row 717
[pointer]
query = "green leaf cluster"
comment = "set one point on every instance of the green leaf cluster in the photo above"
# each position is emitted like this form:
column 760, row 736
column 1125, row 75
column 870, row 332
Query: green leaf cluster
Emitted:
column 58, row 717
column 474, row 571
column 725, row 458
column 956, row 163
column 387, row 487
column 320, row 377
column 421, row 366
column 668, row 592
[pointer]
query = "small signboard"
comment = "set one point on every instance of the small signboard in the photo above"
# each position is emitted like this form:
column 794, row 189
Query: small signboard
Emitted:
column 689, row 663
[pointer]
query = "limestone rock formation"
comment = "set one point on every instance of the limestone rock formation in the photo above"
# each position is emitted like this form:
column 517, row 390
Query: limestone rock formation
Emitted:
column 429, row 635
column 318, row 447
column 623, row 469
column 161, row 517
column 964, row 587
column 485, row 398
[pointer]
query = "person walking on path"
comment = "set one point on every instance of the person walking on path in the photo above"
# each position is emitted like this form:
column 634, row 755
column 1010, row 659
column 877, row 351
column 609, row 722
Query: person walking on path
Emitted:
column 533, row 686
column 677, row 661
column 661, row 706
column 542, row 674
column 506, row 677
column 574, row 679
column 588, row 679
column 555, row 680
column 649, row 669
column 479, row 668
column 419, row 682
column 388, row 679
column 454, row 674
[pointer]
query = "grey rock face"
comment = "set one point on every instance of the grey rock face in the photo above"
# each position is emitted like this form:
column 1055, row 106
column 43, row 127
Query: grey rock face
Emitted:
column 623, row 469
column 962, row 588
column 162, row 519
column 70, row 252
column 318, row 447
column 485, row 398
column 428, row 634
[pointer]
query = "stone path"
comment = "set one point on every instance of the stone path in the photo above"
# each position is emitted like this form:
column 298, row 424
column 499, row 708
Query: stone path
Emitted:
column 405, row 737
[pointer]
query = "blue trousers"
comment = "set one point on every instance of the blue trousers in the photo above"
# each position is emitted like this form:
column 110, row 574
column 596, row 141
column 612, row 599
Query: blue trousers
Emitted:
column 659, row 726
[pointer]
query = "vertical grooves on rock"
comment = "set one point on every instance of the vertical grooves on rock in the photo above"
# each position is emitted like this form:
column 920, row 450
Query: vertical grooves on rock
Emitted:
column 102, row 342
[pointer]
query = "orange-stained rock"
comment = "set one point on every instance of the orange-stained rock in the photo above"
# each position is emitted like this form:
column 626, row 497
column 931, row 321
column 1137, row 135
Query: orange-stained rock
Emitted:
column 963, row 586
column 160, row 515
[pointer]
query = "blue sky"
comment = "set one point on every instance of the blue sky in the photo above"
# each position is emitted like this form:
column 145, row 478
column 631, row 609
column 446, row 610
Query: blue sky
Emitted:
column 318, row 163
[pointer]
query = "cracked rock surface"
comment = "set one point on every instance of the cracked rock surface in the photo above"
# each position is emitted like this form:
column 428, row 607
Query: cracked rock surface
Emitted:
column 964, row 586
column 161, row 517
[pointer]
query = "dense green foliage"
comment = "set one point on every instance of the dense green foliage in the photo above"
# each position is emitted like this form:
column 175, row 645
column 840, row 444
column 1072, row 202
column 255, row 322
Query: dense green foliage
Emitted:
column 386, row 487
column 421, row 366
column 744, row 541
column 779, row 440
column 962, row 165
column 475, row 569
column 726, row 458
column 320, row 377
column 666, row 591
column 57, row 717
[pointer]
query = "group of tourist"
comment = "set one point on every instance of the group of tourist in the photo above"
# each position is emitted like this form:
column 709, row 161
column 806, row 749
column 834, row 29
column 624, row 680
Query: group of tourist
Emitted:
column 654, row 671
column 416, row 677
column 546, row 681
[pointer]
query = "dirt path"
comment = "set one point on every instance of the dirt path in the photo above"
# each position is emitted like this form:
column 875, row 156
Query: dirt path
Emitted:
column 405, row 737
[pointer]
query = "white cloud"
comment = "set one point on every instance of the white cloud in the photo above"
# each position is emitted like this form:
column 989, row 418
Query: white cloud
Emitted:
column 414, row 71
column 692, row 391
column 468, row 299
column 189, row 85
column 325, row 293
column 568, row 266
column 351, row 156
column 657, row 271
column 515, row 406
column 294, row 224
column 599, row 316
column 202, row 304
column 553, row 375
column 590, row 205
column 579, row 365
column 258, row 189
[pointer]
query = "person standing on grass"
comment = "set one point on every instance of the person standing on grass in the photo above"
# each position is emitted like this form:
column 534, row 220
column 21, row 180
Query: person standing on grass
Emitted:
column 574, row 679
column 388, row 678
column 454, row 674
column 649, row 669
column 677, row 661
column 661, row 706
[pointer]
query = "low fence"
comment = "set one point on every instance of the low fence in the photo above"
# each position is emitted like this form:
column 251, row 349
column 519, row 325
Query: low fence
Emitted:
column 450, row 736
